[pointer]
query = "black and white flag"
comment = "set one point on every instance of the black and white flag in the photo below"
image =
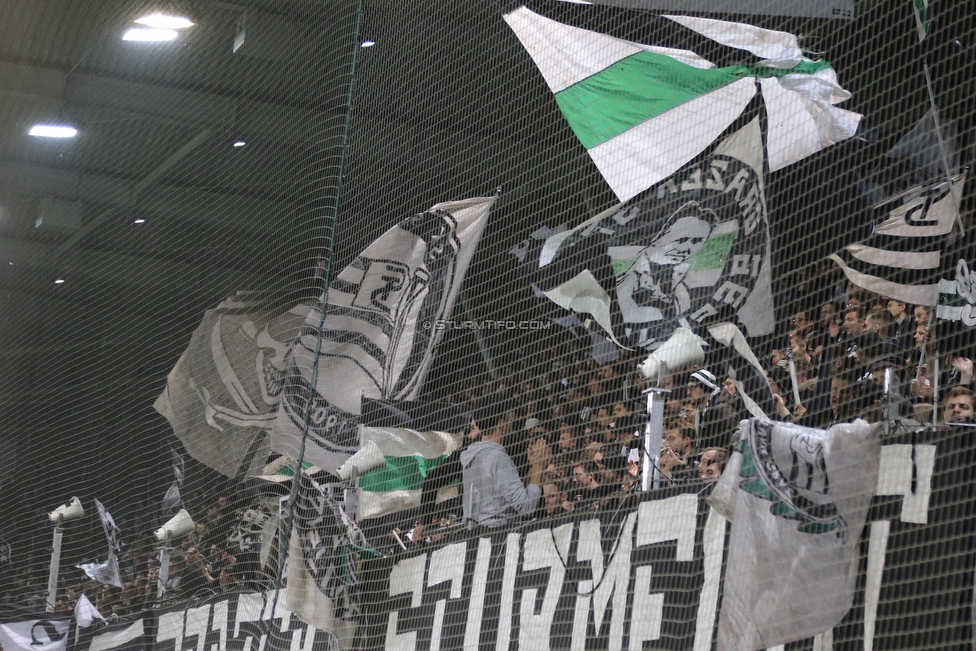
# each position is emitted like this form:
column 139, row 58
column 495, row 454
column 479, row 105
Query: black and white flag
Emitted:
column 222, row 396
column 376, row 335
column 322, row 587
column 28, row 630
column 106, row 573
column 694, row 246
column 913, row 203
column 124, row 636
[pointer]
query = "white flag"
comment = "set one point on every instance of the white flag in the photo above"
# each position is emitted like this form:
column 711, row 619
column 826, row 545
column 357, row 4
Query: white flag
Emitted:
column 376, row 335
column 797, row 499
column 23, row 630
column 408, row 456
column 644, row 110
column 106, row 573
column 86, row 613
column 222, row 396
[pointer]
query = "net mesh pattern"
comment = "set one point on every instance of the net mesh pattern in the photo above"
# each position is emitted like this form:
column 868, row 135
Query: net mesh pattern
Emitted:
column 179, row 278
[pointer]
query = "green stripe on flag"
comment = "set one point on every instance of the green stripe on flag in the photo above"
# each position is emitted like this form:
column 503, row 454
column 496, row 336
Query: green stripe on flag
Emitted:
column 289, row 470
column 713, row 253
column 620, row 265
column 645, row 85
column 400, row 474
column 952, row 300
column 922, row 14
column 631, row 91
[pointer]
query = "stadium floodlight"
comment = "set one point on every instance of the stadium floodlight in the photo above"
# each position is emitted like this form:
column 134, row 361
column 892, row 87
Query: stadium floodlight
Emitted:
column 149, row 34
column 160, row 20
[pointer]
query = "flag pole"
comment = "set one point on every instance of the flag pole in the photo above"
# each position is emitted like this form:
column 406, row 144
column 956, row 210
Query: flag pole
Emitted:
column 52, row 578
column 942, row 149
column 653, row 430
column 325, row 266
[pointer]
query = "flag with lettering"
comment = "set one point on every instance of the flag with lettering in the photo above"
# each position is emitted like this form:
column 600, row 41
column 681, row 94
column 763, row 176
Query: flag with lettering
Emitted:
column 688, row 249
column 373, row 333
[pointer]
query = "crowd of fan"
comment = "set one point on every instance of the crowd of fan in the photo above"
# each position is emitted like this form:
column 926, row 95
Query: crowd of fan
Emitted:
column 568, row 437
column 200, row 565
column 574, row 429
column 844, row 356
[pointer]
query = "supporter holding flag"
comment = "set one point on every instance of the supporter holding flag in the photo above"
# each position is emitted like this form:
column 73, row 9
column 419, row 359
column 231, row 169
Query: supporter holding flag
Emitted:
column 494, row 492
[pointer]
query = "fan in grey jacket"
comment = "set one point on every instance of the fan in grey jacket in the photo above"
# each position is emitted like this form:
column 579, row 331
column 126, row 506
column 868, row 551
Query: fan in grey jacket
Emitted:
column 493, row 491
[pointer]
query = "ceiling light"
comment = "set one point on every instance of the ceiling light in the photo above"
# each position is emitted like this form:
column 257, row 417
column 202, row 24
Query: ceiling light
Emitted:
column 367, row 43
column 149, row 34
column 53, row 131
column 239, row 143
column 59, row 281
column 165, row 21
column 140, row 220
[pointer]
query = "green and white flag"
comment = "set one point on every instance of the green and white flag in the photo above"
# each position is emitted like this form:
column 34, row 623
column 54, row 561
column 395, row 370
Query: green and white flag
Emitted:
column 797, row 499
column 957, row 296
column 921, row 10
column 408, row 456
column 406, row 441
column 643, row 111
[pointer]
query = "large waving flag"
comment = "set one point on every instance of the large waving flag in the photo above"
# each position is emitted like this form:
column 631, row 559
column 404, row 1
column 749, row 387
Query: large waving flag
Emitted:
column 376, row 335
column 693, row 248
column 797, row 499
column 642, row 111
column 222, row 396
column 913, row 202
